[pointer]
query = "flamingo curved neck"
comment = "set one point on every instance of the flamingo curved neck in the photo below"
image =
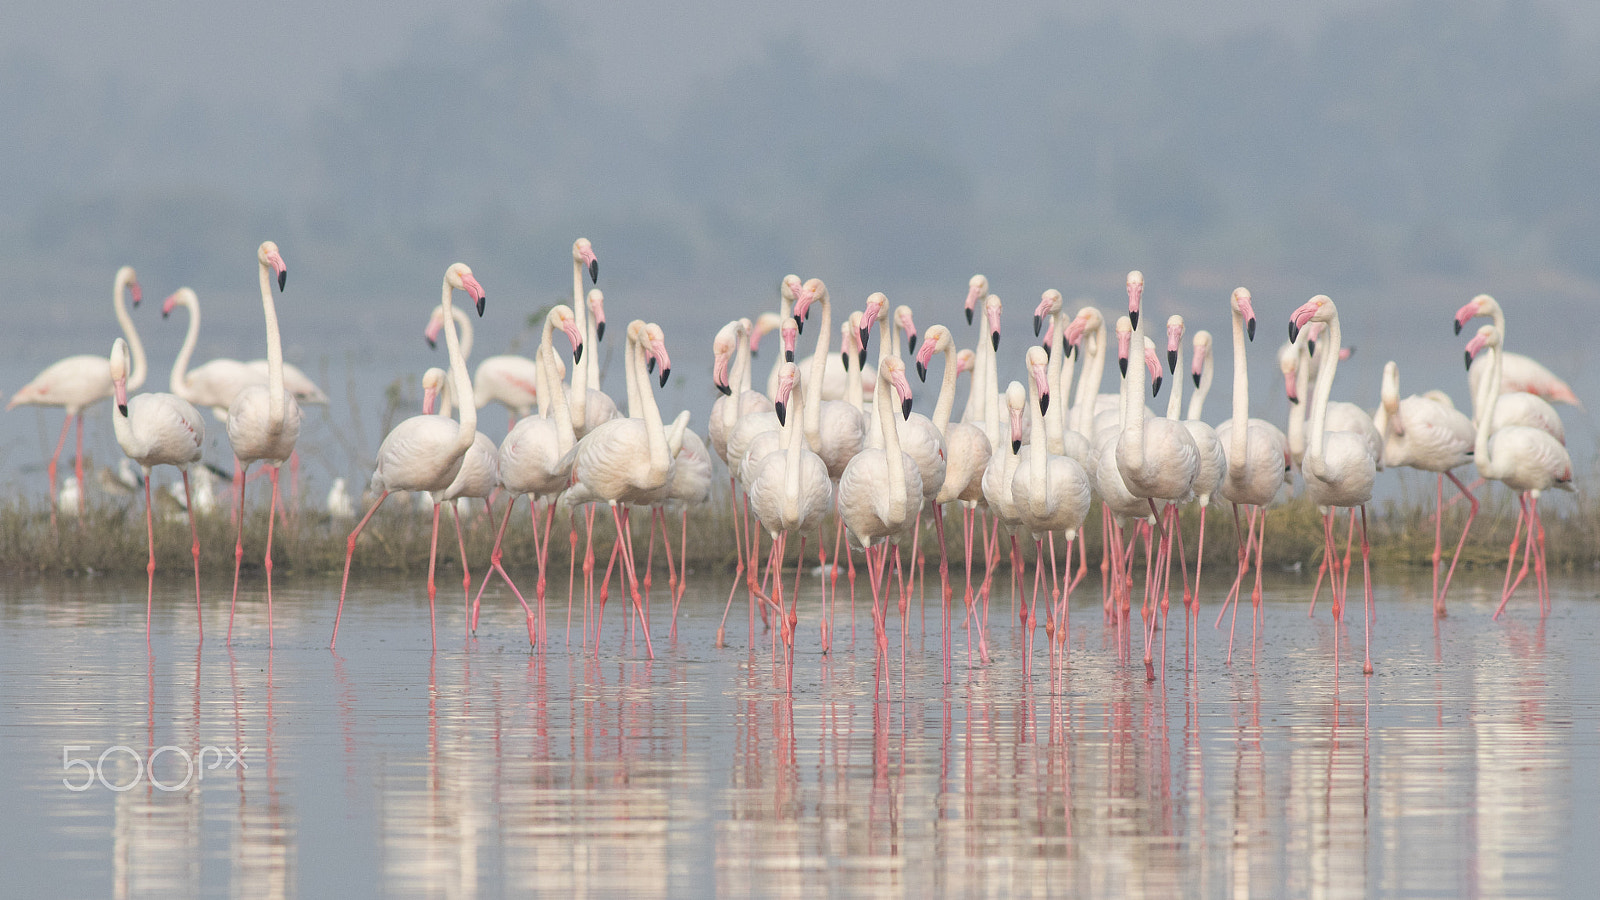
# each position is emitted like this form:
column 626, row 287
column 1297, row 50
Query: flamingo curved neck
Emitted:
column 947, row 390
column 557, row 400
column 741, row 362
column 179, row 382
column 1326, row 368
column 1197, row 400
column 989, row 398
column 791, row 476
column 1487, row 397
column 630, row 374
column 1038, row 456
column 819, row 367
column 660, row 455
column 468, row 425
column 1241, row 401
column 275, row 404
column 135, row 346
column 1094, row 371
column 1175, row 397
column 885, row 399
column 580, row 373
column 1130, row 446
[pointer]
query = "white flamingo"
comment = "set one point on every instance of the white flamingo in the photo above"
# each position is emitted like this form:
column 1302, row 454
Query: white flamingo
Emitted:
column 627, row 461
column 1339, row 467
column 157, row 430
column 536, row 459
column 1519, row 373
column 790, row 492
column 880, row 492
column 1526, row 460
column 1213, row 460
column 730, row 374
column 478, row 479
column 1421, row 433
column 263, row 426
column 507, row 379
column 832, row 428
column 1257, row 454
column 589, row 407
column 424, row 453
column 1052, row 494
column 78, row 382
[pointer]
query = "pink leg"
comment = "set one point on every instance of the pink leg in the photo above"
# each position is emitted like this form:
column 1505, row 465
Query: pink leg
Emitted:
column 1438, row 539
column 1511, row 558
column 51, row 468
column 272, row 514
column 349, row 551
column 239, row 471
column 77, row 468
column 194, row 551
column 433, row 563
column 1472, row 514
column 150, row 567
column 466, row 574
column 1366, row 584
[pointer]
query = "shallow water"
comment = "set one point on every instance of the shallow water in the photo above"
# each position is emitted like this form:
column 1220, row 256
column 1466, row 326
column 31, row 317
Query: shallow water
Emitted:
column 1468, row 765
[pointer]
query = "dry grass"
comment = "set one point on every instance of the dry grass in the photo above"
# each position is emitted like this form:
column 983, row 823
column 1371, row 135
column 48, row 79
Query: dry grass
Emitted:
column 111, row 538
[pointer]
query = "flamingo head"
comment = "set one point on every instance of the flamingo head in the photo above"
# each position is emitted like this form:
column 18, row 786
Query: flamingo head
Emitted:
column 1124, row 343
column 1389, row 395
column 459, row 277
column 1481, row 305
column 965, row 360
column 1202, row 352
column 938, row 339
column 1049, row 336
column 432, row 383
column 788, row 378
column 1317, row 309
column 435, row 325
column 181, row 297
column 1038, row 369
column 1016, row 402
column 568, row 323
column 657, row 342
column 126, row 276
column 1289, row 365
column 810, row 292
column 876, row 308
column 1152, row 365
column 1049, row 305
column 1241, row 305
column 583, row 254
column 789, row 290
column 764, row 323
column 977, row 289
column 1135, row 294
column 903, row 320
column 267, row 255
column 894, row 371
column 722, row 350
column 597, row 309
column 991, row 314
column 853, row 325
column 788, row 336
column 1487, row 336
column 1174, row 342
column 119, row 374
column 1085, row 319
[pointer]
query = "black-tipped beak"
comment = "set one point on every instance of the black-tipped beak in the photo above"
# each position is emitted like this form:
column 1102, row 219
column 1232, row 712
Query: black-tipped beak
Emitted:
column 866, row 335
column 969, row 318
column 905, row 408
column 1172, row 361
column 1155, row 386
column 600, row 330
column 577, row 354
column 594, row 271
column 1046, row 352
column 1196, row 379
column 1469, row 362
column 664, row 373
column 1038, row 325
column 1133, row 317
column 1016, row 446
column 861, row 358
column 725, row 389
column 1458, row 326
column 911, row 344
column 282, row 277
column 788, row 355
column 1350, row 351
column 844, row 357
column 650, row 365
column 163, row 314
column 432, row 344
column 1066, row 348
column 123, row 408
column 799, row 324
column 779, row 409
column 1294, row 330
column 1122, row 365
column 1311, row 346
column 1295, row 401
column 1044, row 404
column 1250, row 328
column 482, row 302
column 994, row 340
column 922, row 371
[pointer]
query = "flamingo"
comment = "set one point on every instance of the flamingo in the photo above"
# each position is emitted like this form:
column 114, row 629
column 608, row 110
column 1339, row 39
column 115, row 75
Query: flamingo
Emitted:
column 977, row 290
column 157, row 430
column 478, row 479
column 1052, row 494
column 536, row 459
column 730, row 373
column 1422, row 433
column 1157, row 456
column 78, row 382
column 1339, row 467
column 424, row 453
column 832, row 428
column 589, row 407
column 1213, row 461
column 1256, row 451
column 627, row 461
column 880, row 490
column 789, row 491
column 263, row 426
column 999, row 498
column 1526, row 460
column 1520, row 374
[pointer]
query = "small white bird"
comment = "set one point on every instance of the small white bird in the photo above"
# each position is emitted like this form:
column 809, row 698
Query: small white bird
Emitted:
column 340, row 506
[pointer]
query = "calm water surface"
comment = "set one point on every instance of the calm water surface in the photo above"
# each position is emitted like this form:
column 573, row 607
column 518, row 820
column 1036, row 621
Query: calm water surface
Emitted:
column 1469, row 765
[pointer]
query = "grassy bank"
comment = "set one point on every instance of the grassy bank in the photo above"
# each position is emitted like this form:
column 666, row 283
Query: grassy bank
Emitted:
column 110, row 539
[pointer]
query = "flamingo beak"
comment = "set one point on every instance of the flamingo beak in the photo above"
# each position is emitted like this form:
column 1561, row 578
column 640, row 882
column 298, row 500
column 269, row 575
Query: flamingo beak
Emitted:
column 588, row 257
column 666, row 361
column 650, row 364
column 1172, row 361
column 1044, row 404
column 137, row 294
column 1038, row 324
column 788, row 355
column 969, row 314
column 905, row 408
column 1250, row 328
column 861, row 358
column 922, row 371
column 577, row 353
column 844, row 357
column 1288, row 388
column 994, row 340
column 429, row 397
column 866, row 335
column 1197, row 379
column 779, row 409
column 276, row 262
column 1469, row 360
column 911, row 342
column 122, row 396
column 600, row 329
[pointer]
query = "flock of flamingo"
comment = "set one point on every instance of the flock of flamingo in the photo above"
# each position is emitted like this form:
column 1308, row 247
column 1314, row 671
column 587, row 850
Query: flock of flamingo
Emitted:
column 832, row 434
